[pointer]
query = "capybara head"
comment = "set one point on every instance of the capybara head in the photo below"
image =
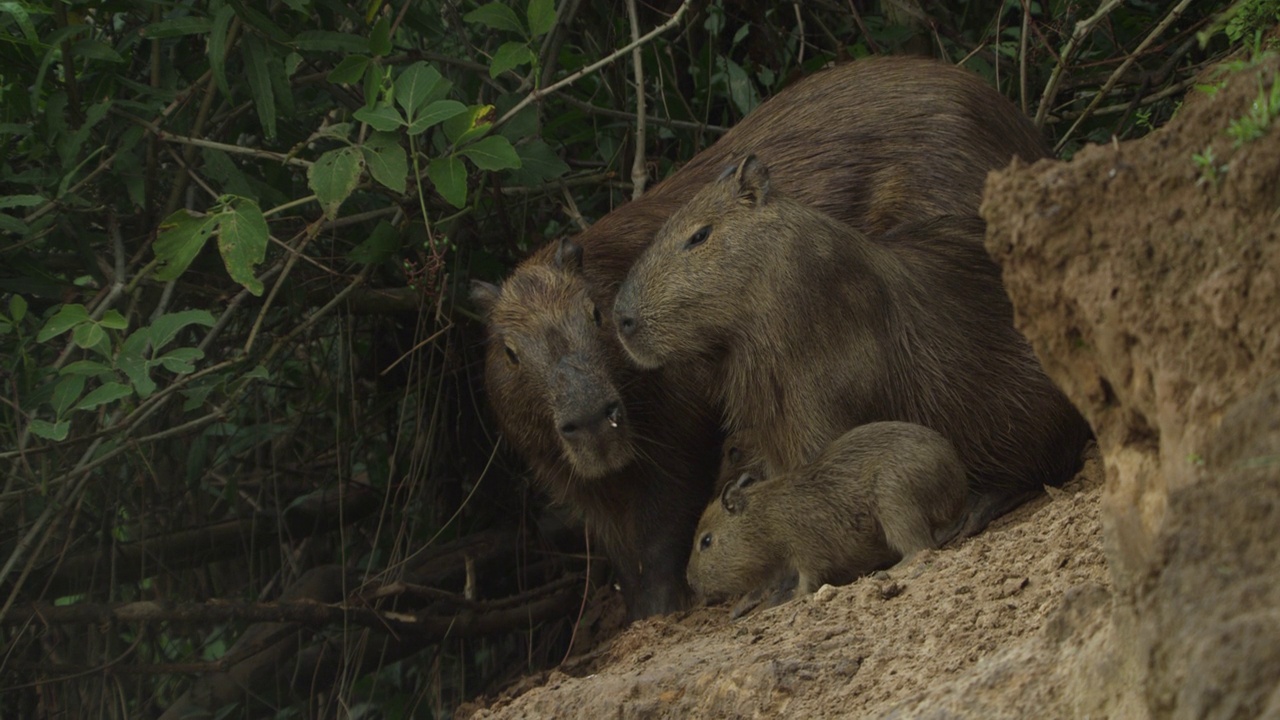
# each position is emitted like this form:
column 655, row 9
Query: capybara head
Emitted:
column 697, row 276
column 547, row 365
column 733, row 553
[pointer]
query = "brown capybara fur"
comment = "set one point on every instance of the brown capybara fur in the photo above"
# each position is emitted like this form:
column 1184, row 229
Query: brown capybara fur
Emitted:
column 812, row 329
column 737, row 457
column 874, row 143
column 876, row 495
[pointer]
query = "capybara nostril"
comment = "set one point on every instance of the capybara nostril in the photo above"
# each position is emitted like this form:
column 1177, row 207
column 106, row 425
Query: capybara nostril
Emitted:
column 626, row 325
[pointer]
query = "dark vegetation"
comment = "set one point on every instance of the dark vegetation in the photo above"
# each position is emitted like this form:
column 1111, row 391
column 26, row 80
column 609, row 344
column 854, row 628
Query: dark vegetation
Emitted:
column 247, row 471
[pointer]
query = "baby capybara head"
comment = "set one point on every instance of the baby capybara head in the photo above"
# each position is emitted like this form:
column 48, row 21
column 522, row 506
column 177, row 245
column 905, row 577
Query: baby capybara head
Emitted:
column 696, row 278
column 733, row 552
column 547, row 365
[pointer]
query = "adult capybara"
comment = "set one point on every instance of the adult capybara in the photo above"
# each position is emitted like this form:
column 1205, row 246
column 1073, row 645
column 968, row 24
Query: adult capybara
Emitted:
column 812, row 329
column 874, row 143
column 876, row 495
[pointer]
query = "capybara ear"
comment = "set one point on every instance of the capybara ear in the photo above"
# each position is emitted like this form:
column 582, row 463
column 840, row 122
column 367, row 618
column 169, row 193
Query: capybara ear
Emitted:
column 732, row 498
column 484, row 295
column 569, row 255
column 753, row 181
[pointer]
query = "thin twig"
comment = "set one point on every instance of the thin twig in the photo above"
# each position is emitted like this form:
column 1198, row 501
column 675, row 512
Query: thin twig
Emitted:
column 624, row 115
column 638, row 174
column 1022, row 59
column 1163, row 25
column 201, row 142
column 1083, row 28
column 611, row 57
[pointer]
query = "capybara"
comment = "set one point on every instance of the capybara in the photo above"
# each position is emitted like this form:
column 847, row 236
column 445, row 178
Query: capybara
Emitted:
column 737, row 457
column 874, row 143
column 876, row 495
column 812, row 329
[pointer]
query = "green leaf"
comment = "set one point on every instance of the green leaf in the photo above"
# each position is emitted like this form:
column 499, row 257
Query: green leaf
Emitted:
column 492, row 153
column 17, row 308
column 257, row 68
column 419, row 84
column 23, row 18
column 330, row 41
column 257, row 20
column 177, row 27
column 9, row 223
column 66, row 392
column 242, row 240
column 86, row 335
column 14, row 128
column 386, row 160
column 542, row 16
column 497, row 16
column 181, row 237
column 383, row 117
column 381, row 244
column 538, row 163
column 218, row 47
column 21, row 201
column 510, row 55
column 380, row 38
column 95, row 50
column 109, row 392
column 435, row 113
column 469, row 125
column 167, row 326
column 131, row 362
column 450, row 178
column 86, row 367
column 50, row 431
column 180, row 360
column 67, row 317
column 113, row 320
column 350, row 70
column 334, row 177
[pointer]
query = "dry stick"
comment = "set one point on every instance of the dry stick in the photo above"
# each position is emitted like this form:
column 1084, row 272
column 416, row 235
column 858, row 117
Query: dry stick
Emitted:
column 799, row 32
column 1022, row 58
column 624, row 115
column 1164, row 24
column 571, row 208
column 1083, row 28
column 862, row 27
column 638, row 174
column 307, row 236
column 543, row 92
column 201, row 142
column 549, row 53
column 1148, row 99
column 582, row 606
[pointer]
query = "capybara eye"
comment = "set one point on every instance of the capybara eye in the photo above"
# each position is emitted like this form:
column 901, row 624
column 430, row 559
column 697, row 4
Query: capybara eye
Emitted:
column 699, row 237
column 596, row 317
column 705, row 542
column 511, row 355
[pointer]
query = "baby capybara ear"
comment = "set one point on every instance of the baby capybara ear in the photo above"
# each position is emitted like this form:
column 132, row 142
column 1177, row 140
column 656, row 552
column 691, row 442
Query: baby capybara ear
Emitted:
column 752, row 177
column 484, row 295
column 732, row 497
column 569, row 255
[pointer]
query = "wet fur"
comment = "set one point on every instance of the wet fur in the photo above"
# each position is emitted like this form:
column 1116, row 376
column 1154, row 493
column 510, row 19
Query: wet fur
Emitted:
column 873, row 142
